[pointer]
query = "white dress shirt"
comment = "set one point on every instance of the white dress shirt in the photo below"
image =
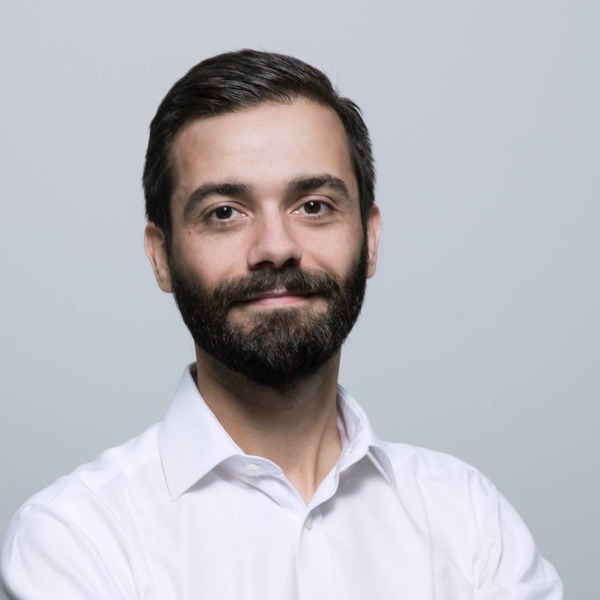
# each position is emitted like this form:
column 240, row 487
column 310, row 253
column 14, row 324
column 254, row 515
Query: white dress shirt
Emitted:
column 181, row 512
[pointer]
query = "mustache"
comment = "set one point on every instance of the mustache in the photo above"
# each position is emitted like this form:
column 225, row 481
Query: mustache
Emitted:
column 293, row 280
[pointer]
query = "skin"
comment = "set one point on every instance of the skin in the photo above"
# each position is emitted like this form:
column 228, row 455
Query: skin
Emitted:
column 268, row 187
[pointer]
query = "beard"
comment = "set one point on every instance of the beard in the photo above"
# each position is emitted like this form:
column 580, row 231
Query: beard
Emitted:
column 279, row 347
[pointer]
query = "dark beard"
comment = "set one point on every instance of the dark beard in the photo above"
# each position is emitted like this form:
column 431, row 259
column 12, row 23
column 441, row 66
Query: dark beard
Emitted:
column 281, row 347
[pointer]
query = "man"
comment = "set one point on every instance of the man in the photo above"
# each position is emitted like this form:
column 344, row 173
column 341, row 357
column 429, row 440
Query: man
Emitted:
column 265, row 479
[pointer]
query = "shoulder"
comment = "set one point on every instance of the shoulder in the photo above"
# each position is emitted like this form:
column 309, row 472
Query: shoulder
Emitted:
column 464, row 508
column 455, row 496
column 442, row 481
column 429, row 463
column 95, row 492
column 86, row 515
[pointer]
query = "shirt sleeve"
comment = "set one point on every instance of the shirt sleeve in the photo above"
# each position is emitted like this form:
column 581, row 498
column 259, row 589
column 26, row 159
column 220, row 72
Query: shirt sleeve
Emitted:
column 510, row 566
column 46, row 556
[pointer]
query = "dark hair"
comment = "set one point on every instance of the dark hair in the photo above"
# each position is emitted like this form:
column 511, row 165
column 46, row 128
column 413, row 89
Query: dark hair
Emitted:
column 233, row 81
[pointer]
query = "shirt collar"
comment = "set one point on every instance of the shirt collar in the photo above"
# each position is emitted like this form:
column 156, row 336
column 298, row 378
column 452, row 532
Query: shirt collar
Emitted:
column 360, row 439
column 192, row 442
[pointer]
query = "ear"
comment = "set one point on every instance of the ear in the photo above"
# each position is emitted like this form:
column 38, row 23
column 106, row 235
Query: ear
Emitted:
column 156, row 251
column 373, row 231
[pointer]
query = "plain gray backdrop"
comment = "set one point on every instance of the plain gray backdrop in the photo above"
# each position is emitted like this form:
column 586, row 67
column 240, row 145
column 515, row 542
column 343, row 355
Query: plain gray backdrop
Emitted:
column 480, row 334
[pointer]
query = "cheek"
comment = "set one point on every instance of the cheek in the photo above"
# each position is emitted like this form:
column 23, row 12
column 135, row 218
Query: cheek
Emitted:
column 213, row 263
column 338, row 250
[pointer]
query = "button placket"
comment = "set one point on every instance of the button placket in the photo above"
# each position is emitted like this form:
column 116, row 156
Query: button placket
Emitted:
column 315, row 569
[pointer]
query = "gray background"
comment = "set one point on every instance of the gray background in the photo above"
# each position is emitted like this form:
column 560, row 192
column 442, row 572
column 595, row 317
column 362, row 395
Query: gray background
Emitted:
column 480, row 336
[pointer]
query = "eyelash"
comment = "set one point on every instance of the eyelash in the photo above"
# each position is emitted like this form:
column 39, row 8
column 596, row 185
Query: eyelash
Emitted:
column 324, row 208
column 212, row 214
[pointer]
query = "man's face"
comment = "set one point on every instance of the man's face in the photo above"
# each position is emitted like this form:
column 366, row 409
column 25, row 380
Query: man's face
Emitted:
column 268, row 258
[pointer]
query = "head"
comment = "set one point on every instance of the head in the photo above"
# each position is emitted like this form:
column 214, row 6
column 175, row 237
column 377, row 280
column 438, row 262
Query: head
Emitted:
column 259, row 191
column 232, row 82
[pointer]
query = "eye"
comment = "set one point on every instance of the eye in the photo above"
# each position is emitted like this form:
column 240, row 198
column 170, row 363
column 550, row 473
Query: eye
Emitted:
column 314, row 208
column 224, row 213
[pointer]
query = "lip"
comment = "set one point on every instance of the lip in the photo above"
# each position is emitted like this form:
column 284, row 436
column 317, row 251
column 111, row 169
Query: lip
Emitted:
column 276, row 298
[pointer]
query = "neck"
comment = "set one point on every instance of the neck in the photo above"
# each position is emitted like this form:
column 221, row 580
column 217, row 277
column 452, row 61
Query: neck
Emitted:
column 295, row 428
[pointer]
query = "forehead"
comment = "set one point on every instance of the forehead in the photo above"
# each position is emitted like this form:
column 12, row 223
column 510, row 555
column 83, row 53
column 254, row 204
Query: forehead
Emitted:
column 263, row 146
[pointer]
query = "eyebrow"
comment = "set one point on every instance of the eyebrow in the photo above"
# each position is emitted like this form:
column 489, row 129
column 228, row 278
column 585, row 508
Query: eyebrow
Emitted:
column 313, row 182
column 303, row 183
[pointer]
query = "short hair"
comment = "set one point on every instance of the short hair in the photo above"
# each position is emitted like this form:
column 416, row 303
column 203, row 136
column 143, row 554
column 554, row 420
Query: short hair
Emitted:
column 233, row 81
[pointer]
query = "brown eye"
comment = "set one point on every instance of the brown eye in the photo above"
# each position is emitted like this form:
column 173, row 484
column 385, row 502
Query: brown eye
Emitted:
column 224, row 213
column 313, row 207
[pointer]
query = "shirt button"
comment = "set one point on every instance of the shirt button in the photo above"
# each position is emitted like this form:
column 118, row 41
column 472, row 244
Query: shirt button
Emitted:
column 252, row 470
column 308, row 523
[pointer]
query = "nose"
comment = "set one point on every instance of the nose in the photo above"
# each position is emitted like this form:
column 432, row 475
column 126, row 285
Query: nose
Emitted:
column 273, row 244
